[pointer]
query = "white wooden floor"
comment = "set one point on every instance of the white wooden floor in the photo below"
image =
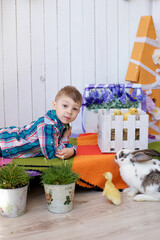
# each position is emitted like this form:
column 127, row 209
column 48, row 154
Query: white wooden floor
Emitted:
column 92, row 218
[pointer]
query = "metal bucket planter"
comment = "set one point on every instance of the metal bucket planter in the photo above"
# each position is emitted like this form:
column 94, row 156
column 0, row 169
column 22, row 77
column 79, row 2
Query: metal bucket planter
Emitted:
column 13, row 201
column 59, row 197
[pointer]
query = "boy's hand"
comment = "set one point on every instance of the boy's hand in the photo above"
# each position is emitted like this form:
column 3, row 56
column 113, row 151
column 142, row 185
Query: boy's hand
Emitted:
column 65, row 153
column 67, row 132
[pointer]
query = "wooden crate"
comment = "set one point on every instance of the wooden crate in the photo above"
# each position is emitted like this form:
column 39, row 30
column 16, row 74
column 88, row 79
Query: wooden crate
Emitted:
column 115, row 134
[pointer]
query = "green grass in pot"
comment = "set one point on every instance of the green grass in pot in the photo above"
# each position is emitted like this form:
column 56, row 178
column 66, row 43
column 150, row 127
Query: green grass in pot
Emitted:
column 12, row 176
column 59, row 175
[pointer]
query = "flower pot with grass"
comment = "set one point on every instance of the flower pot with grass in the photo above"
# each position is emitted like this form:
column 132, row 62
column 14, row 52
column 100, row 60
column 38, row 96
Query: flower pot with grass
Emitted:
column 13, row 190
column 59, row 186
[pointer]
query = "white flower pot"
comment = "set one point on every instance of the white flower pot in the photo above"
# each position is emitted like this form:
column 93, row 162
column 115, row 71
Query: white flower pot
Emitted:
column 91, row 121
column 59, row 197
column 13, row 201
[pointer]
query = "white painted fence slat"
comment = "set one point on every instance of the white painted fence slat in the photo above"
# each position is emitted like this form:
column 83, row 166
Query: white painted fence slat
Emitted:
column 112, row 41
column 100, row 41
column 104, row 136
column 77, row 64
column 64, row 66
column 143, row 130
column 107, row 134
column 24, row 62
column 118, row 134
column 38, row 74
column 76, row 43
column 131, row 132
column 88, row 42
column 2, row 121
column 10, row 63
column 50, row 21
column 123, row 39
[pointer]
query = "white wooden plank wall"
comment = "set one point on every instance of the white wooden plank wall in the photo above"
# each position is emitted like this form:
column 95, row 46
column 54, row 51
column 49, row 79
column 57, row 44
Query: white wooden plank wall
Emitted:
column 47, row 44
column 24, row 76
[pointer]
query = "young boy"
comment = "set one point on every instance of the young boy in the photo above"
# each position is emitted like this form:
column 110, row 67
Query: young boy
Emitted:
column 49, row 135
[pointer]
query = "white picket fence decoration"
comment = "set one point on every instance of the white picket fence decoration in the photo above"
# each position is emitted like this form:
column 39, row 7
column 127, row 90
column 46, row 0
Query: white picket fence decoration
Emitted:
column 90, row 116
column 108, row 122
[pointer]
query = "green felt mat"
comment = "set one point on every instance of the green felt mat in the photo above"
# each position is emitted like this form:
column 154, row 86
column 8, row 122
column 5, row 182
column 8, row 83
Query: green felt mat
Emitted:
column 41, row 163
column 155, row 146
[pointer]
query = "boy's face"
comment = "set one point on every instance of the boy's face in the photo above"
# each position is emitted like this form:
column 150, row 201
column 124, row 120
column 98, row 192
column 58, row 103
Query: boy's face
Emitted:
column 66, row 109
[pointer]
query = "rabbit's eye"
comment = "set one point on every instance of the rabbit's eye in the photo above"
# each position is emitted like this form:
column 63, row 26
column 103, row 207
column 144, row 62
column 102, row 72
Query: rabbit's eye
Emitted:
column 121, row 154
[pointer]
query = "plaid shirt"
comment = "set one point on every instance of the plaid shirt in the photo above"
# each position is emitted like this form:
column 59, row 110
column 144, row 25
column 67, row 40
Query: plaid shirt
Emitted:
column 41, row 137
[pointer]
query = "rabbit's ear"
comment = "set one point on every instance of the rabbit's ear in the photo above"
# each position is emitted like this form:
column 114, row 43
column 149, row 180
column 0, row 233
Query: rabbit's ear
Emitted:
column 144, row 155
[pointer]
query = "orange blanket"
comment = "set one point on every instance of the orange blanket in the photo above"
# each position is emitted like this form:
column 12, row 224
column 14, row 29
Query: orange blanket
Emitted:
column 90, row 163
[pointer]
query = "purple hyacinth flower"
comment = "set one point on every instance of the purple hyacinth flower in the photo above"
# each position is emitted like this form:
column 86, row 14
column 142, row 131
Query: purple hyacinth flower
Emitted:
column 142, row 96
column 134, row 92
column 123, row 98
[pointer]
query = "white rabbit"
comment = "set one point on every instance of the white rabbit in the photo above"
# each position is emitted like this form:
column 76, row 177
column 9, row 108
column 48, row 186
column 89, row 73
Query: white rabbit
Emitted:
column 141, row 173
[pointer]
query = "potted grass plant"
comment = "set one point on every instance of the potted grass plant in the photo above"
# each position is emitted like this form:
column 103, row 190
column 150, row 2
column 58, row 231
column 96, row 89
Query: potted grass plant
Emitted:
column 59, row 186
column 13, row 190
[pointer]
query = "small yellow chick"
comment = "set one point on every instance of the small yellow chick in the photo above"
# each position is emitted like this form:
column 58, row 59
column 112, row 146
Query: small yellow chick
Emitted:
column 111, row 192
column 117, row 112
column 125, row 116
column 131, row 111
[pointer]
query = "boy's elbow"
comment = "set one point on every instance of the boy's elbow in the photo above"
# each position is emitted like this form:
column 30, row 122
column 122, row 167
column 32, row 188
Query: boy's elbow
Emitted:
column 75, row 152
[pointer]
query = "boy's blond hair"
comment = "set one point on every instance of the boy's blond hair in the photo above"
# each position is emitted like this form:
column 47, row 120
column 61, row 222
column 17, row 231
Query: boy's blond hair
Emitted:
column 71, row 92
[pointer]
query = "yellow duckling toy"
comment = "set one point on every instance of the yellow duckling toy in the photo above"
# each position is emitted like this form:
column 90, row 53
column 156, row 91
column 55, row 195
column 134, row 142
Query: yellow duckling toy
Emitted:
column 131, row 111
column 125, row 116
column 111, row 192
column 117, row 112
